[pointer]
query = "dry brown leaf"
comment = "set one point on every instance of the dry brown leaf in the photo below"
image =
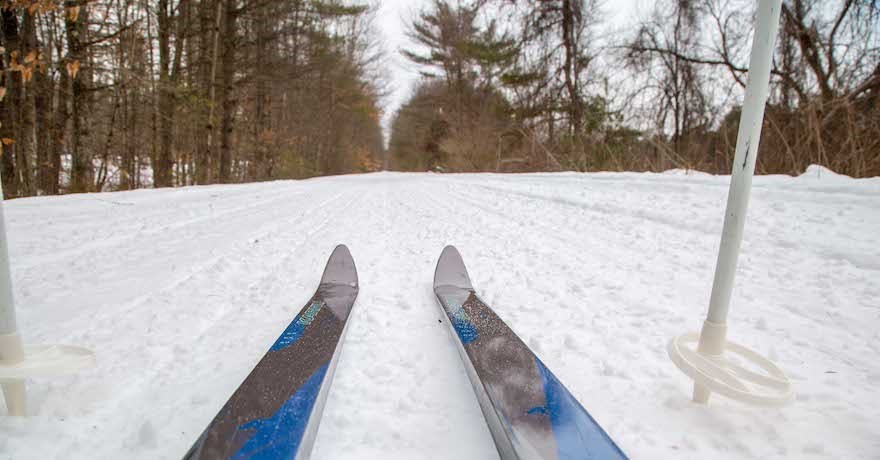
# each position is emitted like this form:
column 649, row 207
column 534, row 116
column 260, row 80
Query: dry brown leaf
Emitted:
column 2, row 92
column 31, row 57
column 73, row 13
column 7, row 141
column 27, row 73
column 73, row 69
column 13, row 62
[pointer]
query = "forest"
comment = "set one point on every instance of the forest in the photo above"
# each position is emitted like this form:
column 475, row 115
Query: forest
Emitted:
column 123, row 94
column 522, row 85
column 103, row 95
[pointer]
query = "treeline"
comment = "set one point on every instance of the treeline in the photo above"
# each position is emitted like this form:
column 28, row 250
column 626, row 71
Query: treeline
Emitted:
column 524, row 85
column 120, row 94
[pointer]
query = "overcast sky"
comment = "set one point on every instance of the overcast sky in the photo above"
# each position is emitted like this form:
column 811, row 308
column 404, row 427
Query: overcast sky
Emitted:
column 394, row 15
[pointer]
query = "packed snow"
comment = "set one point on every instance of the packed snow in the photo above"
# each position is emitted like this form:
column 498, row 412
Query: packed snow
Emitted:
column 181, row 291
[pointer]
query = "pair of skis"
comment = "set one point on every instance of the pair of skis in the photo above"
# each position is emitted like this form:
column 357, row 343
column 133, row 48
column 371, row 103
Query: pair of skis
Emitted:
column 275, row 412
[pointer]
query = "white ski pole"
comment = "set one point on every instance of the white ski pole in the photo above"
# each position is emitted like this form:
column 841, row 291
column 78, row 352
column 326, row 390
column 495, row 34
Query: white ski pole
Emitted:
column 17, row 362
column 708, row 367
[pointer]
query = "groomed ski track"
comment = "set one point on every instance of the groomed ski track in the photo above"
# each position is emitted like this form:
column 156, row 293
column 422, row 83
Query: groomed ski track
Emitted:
column 181, row 291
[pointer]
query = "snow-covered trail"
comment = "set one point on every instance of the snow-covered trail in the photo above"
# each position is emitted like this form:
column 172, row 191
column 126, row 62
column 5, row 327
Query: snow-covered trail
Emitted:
column 181, row 291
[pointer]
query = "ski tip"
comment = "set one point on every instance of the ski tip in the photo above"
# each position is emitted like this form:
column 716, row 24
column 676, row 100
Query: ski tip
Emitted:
column 340, row 268
column 451, row 270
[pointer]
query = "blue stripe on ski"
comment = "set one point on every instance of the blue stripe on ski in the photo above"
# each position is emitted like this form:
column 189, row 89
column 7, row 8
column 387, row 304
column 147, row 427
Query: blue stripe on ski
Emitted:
column 296, row 328
column 461, row 322
column 576, row 433
column 279, row 436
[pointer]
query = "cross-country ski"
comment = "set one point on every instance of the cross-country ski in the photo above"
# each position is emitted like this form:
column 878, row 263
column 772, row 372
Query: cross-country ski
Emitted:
column 276, row 411
column 529, row 411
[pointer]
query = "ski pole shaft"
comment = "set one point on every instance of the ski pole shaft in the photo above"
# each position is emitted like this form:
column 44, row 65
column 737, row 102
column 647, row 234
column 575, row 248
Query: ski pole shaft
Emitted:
column 747, row 141
column 7, row 307
column 714, row 334
column 11, row 349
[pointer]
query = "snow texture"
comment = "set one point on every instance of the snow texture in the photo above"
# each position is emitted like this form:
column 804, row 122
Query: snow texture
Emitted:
column 181, row 291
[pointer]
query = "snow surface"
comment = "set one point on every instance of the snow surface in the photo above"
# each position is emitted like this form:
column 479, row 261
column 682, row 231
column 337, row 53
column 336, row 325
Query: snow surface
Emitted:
column 181, row 291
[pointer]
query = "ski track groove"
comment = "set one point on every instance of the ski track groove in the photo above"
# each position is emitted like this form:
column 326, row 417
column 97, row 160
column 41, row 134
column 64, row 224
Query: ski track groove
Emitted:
column 819, row 251
column 212, row 263
column 150, row 210
column 720, row 183
column 262, row 233
column 270, row 275
column 546, row 252
column 159, row 229
column 212, row 260
column 563, row 237
column 602, row 209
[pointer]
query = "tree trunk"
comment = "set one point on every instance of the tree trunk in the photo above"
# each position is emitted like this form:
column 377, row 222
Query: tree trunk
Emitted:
column 27, row 151
column 163, row 164
column 42, row 103
column 181, row 35
column 569, row 41
column 262, row 107
column 227, row 88
column 11, row 41
column 209, row 51
column 81, row 171
column 60, row 118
